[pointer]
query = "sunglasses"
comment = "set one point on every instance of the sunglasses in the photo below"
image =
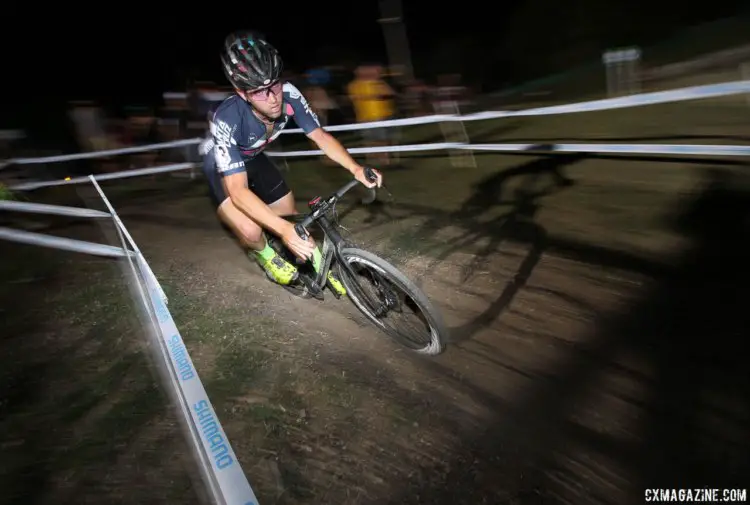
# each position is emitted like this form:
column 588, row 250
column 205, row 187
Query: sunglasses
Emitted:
column 263, row 93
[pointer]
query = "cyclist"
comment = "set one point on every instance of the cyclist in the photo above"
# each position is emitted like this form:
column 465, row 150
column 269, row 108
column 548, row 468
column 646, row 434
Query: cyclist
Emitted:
column 248, row 190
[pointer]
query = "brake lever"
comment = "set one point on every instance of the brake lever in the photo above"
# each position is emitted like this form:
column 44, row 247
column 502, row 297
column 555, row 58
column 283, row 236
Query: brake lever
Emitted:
column 370, row 176
column 301, row 232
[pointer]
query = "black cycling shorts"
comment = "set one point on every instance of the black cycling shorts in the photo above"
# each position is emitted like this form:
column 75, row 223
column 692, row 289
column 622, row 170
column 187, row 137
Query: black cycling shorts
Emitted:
column 263, row 179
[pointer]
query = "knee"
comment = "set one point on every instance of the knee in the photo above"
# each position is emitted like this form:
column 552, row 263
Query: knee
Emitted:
column 249, row 232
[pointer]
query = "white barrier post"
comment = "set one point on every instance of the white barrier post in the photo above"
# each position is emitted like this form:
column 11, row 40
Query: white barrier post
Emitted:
column 635, row 70
column 622, row 71
column 455, row 132
column 222, row 473
column 608, row 60
column 745, row 76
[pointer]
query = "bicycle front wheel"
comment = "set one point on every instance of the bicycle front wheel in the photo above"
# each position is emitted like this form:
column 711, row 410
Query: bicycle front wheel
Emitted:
column 385, row 295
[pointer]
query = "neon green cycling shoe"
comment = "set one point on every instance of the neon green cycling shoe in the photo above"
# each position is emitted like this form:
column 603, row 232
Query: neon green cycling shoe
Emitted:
column 277, row 268
column 335, row 284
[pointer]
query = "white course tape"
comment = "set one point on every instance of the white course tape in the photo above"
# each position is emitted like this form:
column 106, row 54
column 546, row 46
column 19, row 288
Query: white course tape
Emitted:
column 383, row 149
column 110, row 152
column 409, row 121
column 105, row 177
column 63, row 243
column 691, row 149
column 677, row 149
column 227, row 472
column 124, row 232
column 676, row 95
column 43, row 208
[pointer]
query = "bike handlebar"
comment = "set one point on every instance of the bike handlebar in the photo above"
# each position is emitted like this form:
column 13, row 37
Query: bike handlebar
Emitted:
column 370, row 175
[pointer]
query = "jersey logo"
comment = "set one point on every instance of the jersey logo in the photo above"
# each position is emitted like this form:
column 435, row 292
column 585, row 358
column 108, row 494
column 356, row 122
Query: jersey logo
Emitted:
column 292, row 90
column 222, row 156
column 295, row 94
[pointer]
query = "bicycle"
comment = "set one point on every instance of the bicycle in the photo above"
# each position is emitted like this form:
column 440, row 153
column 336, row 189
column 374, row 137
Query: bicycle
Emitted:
column 349, row 261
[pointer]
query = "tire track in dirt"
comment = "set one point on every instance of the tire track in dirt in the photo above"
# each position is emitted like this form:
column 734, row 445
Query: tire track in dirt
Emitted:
column 506, row 345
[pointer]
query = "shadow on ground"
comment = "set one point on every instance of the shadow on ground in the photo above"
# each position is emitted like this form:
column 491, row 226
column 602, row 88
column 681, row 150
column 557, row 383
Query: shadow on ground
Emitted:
column 515, row 224
column 689, row 330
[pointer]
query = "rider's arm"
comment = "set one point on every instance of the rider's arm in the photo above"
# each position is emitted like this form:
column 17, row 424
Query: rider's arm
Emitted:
column 308, row 122
column 333, row 149
column 249, row 203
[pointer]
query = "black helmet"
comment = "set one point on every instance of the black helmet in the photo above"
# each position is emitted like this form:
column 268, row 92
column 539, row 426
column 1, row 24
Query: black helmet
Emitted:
column 250, row 62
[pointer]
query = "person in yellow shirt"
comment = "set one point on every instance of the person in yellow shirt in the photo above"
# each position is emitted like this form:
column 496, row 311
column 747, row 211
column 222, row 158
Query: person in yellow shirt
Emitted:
column 372, row 100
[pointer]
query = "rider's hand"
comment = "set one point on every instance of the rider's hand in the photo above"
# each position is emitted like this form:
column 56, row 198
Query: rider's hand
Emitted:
column 301, row 248
column 359, row 174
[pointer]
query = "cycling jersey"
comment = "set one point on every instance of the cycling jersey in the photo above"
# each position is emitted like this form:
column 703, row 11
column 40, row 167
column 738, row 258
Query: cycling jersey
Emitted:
column 238, row 136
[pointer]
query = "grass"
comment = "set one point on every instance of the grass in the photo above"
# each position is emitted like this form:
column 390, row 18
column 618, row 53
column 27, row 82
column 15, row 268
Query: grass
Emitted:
column 624, row 201
column 82, row 412
column 77, row 390
column 97, row 391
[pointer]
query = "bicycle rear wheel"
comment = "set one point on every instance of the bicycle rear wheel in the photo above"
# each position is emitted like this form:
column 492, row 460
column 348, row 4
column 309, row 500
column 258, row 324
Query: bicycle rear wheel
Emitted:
column 394, row 294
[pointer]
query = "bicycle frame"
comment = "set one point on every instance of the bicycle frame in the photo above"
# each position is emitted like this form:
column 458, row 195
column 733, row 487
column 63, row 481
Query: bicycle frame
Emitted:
column 332, row 240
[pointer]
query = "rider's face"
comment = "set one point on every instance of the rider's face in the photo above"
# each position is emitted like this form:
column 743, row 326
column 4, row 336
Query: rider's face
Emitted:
column 267, row 100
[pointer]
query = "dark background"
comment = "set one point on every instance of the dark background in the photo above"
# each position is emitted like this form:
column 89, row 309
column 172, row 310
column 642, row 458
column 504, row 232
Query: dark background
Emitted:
column 131, row 53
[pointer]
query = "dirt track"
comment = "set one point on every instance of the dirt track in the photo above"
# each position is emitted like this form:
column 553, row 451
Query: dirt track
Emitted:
column 577, row 374
column 541, row 396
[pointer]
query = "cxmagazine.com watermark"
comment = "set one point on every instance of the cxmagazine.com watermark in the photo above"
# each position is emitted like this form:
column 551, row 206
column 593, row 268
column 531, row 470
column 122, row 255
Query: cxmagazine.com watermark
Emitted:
column 705, row 495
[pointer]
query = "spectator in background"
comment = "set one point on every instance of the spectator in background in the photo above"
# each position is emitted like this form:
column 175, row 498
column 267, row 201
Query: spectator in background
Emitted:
column 317, row 80
column 393, row 76
column 314, row 89
column 88, row 122
column 337, row 90
column 142, row 129
column 172, row 116
column 172, row 125
column 203, row 97
column 373, row 100
column 417, row 98
column 91, row 132
column 450, row 91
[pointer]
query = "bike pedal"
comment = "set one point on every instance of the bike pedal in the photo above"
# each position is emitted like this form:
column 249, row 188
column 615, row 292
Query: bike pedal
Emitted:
column 316, row 293
column 335, row 293
column 312, row 288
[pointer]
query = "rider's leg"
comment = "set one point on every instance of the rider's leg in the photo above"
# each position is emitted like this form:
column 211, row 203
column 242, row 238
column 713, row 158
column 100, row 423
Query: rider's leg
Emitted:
column 266, row 181
column 245, row 229
column 251, row 236
column 285, row 206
